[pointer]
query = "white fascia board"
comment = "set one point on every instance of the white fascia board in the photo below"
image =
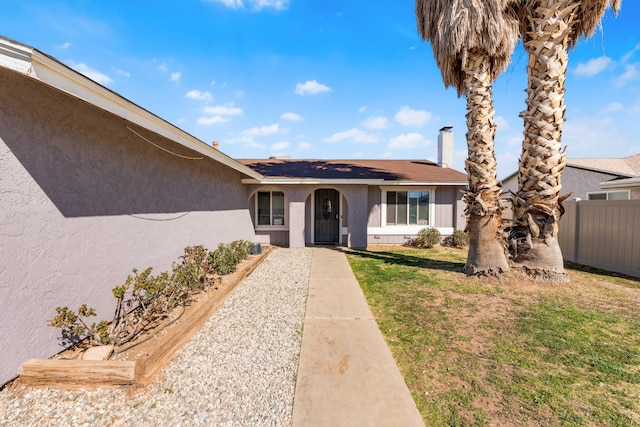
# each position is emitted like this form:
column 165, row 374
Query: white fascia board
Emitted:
column 423, row 183
column 380, row 182
column 624, row 183
column 40, row 66
column 308, row 181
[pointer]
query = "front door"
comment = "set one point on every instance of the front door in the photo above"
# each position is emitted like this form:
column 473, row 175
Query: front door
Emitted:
column 326, row 216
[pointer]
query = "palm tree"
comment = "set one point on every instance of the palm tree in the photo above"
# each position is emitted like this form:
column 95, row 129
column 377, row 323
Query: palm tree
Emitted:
column 472, row 42
column 549, row 28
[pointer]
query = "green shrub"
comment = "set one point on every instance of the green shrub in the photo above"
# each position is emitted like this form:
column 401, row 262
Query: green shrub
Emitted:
column 458, row 239
column 143, row 300
column 427, row 238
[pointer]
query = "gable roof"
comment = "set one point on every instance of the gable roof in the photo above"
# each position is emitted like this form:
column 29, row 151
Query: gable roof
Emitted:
column 625, row 166
column 390, row 172
column 37, row 65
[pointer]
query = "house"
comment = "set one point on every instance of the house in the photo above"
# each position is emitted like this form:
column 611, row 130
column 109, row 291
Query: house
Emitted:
column 353, row 202
column 595, row 178
column 93, row 185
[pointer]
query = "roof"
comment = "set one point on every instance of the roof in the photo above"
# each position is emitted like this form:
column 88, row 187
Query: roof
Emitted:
column 355, row 171
column 37, row 65
column 625, row 166
column 622, row 167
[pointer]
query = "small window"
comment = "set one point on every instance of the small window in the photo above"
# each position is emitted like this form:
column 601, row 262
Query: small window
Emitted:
column 407, row 207
column 270, row 208
column 610, row 195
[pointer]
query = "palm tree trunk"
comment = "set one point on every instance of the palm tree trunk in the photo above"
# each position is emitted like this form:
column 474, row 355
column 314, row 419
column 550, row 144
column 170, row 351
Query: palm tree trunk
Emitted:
column 486, row 251
column 537, row 206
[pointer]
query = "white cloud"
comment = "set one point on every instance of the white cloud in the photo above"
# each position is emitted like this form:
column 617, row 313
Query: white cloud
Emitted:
column 198, row 95
column 379, row 122
column 175, row 76
column 386, row 155
column 356, row 135
column 207, row 121
column 256, row 5
column 65, row 45
column 223, row 110
column 93, row 74
column 121, row 72
column 304, row 146
column 362, row 109
column 410, row 117
column 239, row 93
column 279, row 146
column 358, row 155
column 163, row 67
column 501, row 122
column 631, row 73
column 311, row 87
column 593, row 66
column 629, row 54
column 613, row 107
column 293, row 117
column 408, row 141
column 262, row 130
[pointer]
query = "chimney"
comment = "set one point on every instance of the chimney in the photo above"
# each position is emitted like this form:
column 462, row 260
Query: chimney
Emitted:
column 445, row 147
column 215, row 144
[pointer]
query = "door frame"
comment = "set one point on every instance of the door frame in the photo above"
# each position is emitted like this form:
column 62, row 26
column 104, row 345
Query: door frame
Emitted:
column 313, row 215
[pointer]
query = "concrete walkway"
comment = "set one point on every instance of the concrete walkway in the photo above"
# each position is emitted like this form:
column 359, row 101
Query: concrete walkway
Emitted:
column 346, row 376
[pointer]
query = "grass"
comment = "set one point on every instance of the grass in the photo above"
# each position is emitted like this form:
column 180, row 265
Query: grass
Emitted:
column 483, row 351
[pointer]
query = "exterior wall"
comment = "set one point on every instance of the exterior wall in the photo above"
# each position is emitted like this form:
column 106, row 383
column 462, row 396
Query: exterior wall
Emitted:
column 448, row 215
column 576, row 181
column 445, row 206
column 83, row 201
column 375, row 203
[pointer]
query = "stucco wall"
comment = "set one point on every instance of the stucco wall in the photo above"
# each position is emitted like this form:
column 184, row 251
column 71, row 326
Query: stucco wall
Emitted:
column 574, row 180
column 82, row 202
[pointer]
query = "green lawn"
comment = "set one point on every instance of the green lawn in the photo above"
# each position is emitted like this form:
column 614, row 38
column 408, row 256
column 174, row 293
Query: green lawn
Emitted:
column 483, row 351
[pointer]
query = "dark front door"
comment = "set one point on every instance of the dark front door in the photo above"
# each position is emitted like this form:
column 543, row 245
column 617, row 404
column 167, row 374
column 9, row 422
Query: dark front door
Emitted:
column 327, row 216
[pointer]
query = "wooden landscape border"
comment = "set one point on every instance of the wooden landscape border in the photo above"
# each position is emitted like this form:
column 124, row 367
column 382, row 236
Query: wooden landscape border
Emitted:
column 96, row 373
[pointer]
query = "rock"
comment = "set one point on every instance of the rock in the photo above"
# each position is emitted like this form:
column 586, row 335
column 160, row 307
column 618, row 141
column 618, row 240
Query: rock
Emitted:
column 101, row 352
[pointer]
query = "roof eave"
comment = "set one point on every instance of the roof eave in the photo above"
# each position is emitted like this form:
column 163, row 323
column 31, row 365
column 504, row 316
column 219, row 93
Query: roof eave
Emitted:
column 37, row 65
column 348, row 181
column 624, row 183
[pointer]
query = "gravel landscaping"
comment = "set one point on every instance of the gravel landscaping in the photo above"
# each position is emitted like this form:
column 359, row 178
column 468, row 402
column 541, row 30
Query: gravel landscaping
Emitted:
column 238, row 370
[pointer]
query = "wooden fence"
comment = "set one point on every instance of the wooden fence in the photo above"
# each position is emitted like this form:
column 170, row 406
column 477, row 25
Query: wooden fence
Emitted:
column 600, row 233
column 603, row 234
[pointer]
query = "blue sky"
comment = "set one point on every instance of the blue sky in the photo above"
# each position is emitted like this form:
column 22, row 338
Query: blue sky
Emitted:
column 321, row 79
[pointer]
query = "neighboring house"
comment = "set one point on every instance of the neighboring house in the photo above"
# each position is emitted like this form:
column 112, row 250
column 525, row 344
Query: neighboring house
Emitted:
column 92, row 186
column 595, row 179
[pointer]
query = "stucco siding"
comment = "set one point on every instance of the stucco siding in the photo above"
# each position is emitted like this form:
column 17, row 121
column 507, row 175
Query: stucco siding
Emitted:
column 576, row 181
column 83, row 201
column 374, row 204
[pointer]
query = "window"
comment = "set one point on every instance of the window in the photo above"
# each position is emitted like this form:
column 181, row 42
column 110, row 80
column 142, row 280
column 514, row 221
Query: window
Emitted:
column 407, row 207
column 610, row 195
column 270, row 208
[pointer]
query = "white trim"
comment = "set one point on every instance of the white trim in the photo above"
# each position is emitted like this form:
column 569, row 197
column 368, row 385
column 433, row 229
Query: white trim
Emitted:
column 264, row 227
column 350, row 181
column 35, row 64
column 405, row 230
column 606, row 193
column 341, row 229
column 383, row 206
column 622, row 183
